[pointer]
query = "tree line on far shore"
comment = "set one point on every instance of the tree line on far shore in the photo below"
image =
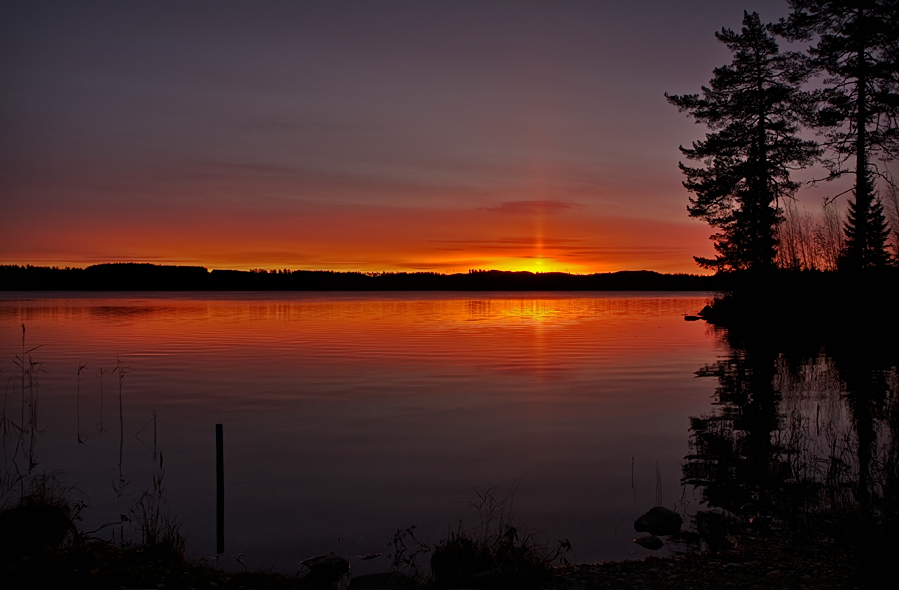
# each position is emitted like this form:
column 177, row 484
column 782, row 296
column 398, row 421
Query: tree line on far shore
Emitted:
column 152, row 277
column 844, row 89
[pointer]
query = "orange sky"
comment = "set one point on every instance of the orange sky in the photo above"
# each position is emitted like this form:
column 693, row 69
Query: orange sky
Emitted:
column 523, row 235
column 397, row 136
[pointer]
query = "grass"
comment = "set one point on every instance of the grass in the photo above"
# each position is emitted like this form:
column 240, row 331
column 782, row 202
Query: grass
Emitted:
column 42, row 547
column 39, row 515
column 498, row 553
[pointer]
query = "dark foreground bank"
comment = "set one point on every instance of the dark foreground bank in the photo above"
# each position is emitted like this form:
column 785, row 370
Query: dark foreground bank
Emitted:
column 41, row 546
column 755, row 562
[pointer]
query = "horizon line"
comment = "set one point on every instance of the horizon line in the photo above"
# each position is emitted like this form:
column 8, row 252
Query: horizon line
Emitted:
column 262, row 270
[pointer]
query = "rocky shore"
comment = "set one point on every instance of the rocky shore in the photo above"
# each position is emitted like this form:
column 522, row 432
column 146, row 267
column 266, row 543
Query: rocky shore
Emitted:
column 754, row 562
column 748, row 558
column 34, row 553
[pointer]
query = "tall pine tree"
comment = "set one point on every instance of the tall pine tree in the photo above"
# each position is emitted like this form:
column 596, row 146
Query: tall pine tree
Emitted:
column 867, row 232
column 752, row 107
column 858, row 115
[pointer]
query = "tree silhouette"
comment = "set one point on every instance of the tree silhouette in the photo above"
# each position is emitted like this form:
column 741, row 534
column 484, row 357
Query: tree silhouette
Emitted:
column 866, row 230
column 858, row 48
column 753, row 107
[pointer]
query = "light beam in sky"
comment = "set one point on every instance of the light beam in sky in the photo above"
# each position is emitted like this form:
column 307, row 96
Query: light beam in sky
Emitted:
column 354, row 136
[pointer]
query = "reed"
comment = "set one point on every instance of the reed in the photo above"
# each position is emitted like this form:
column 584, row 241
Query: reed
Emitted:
column 159, row 530
column 20, row 435
column 499, row 552
column 121, row 371
column 100, row 373
column 23, row 485
column 81, row 441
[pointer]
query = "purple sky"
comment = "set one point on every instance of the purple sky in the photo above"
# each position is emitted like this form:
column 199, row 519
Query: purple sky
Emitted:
column 354, row 135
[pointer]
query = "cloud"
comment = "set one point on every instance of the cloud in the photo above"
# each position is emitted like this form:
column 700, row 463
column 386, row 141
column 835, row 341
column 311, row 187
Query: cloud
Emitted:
column 242, row 167
column 550, row 246
column 549, row 207
column 514, row 243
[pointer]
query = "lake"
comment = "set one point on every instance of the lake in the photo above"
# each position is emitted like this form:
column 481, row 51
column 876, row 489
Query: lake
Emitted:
column 347, row 416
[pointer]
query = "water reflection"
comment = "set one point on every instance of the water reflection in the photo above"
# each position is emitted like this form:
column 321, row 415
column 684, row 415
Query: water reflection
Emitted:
column 350, row 415
column 733, row 451
column 802, row 432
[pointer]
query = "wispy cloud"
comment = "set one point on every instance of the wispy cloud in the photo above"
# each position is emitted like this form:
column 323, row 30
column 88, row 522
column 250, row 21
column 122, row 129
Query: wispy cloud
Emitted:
column 572, row 247
column 549, row 207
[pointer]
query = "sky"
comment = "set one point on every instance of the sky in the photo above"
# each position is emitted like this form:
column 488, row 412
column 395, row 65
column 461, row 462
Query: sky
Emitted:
column 355, row 136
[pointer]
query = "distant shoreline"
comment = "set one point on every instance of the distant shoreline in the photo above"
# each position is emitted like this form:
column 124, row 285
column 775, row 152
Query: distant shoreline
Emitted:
column 151, row 277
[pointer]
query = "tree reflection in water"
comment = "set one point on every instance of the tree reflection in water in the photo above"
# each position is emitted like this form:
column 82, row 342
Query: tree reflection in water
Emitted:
column 802, row 437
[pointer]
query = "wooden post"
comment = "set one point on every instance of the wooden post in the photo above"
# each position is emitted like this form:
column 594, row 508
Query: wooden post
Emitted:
column 219, row 491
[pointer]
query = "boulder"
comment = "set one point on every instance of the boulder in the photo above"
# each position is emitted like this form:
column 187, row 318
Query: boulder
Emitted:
column 649, row 541
column 33, row 524
column 659, row 521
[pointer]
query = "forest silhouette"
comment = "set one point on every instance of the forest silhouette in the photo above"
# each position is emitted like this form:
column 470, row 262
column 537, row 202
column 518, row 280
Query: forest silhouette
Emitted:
column 151, row 277
column 844, row 89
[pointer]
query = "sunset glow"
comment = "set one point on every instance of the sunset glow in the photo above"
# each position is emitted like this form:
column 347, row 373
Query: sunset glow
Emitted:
column 395, row 136
column 484, row 332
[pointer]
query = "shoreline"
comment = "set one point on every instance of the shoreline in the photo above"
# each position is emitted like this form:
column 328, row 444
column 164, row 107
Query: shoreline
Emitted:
column 755, row 562
column 763, row 561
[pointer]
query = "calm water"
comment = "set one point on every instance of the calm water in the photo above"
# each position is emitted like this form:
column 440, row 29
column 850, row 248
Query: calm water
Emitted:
column 348, row 416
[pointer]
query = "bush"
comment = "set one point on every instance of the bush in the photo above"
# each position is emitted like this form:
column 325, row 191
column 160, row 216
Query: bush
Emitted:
column 497, row 555
column 42, row 517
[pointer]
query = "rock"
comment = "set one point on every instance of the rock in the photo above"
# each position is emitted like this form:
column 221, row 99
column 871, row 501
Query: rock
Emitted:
column 32, row 524
column 706, row 311
column 659, row 521
column 326, row 568
column 649, row 541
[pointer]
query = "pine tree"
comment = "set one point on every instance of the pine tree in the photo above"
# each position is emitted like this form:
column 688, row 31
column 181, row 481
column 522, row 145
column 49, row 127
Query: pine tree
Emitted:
column 752, row 107
column 858, row 49
column 867, row 234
